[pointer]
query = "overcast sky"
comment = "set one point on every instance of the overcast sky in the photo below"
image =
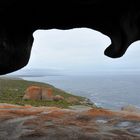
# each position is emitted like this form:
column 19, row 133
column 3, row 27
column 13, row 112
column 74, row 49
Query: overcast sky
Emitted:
column 78, row 51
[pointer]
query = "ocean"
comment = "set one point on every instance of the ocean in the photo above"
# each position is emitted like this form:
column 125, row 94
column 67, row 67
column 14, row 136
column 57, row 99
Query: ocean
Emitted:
column 109, row 90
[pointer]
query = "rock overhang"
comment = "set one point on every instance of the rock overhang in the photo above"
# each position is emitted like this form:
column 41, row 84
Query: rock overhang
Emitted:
column 119, row 20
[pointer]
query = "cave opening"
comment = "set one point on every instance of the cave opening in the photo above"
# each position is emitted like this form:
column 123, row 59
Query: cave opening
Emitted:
column 74, row 61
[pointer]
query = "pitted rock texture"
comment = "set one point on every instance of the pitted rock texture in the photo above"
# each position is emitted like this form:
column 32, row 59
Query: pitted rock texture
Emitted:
column 117, row 19
column 51, row 123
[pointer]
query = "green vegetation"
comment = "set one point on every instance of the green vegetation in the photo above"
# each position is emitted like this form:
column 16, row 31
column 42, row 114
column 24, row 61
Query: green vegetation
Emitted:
column 12, row 91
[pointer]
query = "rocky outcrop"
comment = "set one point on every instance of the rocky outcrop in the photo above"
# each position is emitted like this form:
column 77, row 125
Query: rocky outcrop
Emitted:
column 51, row 123
column 38, row 93
column 41, row 93
column 72, row 100
column 47, row 94
column 19, row 19
column 130, row 108
column 33, row 93
column 58, row 98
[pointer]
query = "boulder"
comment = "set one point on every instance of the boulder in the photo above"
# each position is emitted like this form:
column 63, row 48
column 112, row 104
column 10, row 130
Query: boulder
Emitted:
column 130, row 108
column 87, row 101
column 72, row 100
column 33, row 93
column 38, row 93
column 58, row 98
column 47, row 94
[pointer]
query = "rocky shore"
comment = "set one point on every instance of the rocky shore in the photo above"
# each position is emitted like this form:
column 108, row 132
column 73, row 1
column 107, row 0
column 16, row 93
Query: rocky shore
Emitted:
column 37, row 115
column 52, row 123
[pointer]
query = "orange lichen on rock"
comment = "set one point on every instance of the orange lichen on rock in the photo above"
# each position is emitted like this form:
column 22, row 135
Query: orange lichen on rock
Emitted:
column 51, row 123
column 47, row 94
column 6, row 106
column 41, row 93
column 38, row 93
column 98, row 112
column 33, row 93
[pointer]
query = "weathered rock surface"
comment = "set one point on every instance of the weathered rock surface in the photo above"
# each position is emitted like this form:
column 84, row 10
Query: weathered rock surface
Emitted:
column 130, row 108
column 120, row 20
column 72, row 100
column 33, row 92
column 41, row 93
column 38, row 93
column 51, row 123
column 58, row 98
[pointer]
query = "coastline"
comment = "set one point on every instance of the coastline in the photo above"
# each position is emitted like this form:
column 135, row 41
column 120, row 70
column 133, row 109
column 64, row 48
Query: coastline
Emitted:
column 12, row 90
column 76, row 122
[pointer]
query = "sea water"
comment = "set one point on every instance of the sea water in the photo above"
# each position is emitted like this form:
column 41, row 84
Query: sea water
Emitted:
column 108, row 91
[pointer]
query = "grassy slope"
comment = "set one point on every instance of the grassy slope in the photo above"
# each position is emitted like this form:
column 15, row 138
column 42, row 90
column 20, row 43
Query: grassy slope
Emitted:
column 12, row 91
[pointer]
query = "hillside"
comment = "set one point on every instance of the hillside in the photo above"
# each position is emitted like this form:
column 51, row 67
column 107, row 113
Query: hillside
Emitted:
column 12, row 91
